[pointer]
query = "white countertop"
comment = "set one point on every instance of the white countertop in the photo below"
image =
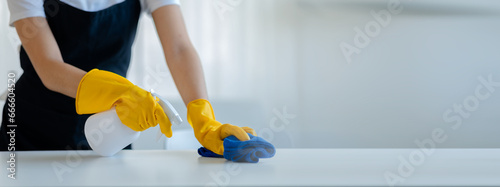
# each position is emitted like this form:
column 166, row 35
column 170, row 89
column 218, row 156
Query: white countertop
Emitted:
column 290, row 167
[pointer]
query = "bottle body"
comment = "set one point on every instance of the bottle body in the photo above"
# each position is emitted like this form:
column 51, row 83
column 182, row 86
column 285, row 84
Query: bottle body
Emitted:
column 106, row 134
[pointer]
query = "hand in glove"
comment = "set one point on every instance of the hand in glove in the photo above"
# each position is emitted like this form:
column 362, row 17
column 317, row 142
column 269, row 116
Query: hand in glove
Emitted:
column 209, row 132
column 101, row 90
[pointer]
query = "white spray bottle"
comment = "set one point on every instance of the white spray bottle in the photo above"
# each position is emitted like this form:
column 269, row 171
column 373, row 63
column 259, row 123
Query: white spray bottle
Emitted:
column 107, row 135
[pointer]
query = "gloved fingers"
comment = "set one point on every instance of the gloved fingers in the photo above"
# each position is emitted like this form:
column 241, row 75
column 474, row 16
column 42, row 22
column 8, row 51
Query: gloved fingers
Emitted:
column 217, row 146
column 149, row 111
column 124, row 113
column 135, row 127
column 249, row 130
column 238, row 132
column 162, row 119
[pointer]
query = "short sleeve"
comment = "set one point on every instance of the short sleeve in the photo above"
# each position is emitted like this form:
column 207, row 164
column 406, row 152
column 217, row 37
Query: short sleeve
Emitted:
column 20, row 9
column 152, row 5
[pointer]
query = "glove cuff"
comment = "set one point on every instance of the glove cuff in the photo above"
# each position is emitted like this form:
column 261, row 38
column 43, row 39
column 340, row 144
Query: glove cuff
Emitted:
column 99, row 90
column 78, row 92
column 200, row 107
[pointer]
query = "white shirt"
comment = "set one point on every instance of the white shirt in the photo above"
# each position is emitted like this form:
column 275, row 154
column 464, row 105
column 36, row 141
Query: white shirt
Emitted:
column 20, row 9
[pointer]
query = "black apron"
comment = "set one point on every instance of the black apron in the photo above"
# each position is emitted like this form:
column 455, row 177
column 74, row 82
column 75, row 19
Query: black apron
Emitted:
column 47, row 120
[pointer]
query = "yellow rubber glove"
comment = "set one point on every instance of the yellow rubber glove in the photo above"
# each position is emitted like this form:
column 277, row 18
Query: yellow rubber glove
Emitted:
column 101, row 90
column 211, row 133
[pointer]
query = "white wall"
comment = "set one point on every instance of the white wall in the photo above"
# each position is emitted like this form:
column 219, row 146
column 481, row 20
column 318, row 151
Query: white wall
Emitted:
column 288, row 54
column 9, row 44
column 398, row 88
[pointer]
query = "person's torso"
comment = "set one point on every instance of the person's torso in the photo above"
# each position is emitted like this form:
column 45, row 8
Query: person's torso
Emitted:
column 86, row 40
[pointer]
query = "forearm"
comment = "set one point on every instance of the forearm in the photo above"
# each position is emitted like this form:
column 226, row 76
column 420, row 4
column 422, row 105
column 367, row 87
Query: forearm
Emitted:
column 46, row 58
column 182, row 59
column 60, row 77
column 188, row 75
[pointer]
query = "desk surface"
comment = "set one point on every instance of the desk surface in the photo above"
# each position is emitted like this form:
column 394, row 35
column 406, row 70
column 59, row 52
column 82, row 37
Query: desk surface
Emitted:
column 290, row 167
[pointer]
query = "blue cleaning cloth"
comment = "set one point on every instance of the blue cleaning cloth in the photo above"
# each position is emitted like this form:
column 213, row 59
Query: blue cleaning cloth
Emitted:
column 242, row 151
column 207, row 153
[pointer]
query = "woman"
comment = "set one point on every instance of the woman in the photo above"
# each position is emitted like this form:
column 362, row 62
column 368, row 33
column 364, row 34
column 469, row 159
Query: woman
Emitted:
column 75, row 55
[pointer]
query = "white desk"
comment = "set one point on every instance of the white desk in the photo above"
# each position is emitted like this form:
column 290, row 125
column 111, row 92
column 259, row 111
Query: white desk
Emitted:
column 290, row 167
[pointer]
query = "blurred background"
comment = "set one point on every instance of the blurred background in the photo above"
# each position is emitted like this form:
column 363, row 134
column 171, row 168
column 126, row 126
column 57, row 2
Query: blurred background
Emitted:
column 330, row 73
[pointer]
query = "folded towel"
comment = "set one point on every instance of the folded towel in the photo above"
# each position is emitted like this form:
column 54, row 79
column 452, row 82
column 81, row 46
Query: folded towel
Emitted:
column 207, row 153
column 243, row 151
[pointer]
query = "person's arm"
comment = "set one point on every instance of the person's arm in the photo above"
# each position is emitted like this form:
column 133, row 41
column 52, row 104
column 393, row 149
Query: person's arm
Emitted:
column 185, row 67
column 43, row 51
column 95, row 91
column 182, row 58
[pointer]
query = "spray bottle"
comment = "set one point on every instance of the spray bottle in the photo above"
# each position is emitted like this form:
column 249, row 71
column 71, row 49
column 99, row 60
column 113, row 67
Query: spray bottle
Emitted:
column 107, row 135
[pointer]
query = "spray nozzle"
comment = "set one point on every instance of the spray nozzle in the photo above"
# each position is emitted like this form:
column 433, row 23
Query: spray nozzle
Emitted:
column 169, row 110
